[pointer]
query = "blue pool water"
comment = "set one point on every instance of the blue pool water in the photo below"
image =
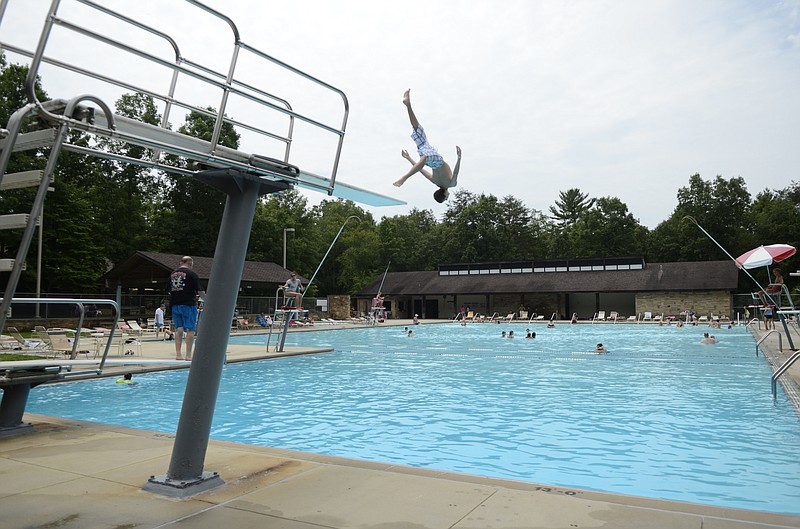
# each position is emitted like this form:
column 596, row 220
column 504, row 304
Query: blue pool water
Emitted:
column 661, row 415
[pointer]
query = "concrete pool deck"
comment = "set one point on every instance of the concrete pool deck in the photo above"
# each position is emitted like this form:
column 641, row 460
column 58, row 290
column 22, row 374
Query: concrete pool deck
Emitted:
column 72, row 474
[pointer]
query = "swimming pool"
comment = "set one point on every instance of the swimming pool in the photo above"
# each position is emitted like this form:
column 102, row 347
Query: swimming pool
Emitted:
column 660, row 416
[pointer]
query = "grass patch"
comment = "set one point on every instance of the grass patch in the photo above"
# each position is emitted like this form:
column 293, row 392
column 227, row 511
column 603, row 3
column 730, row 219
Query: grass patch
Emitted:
column 11, row 357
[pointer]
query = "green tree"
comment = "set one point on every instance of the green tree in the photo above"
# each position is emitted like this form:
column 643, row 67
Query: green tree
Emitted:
column 274, row 213
column 355, row 258
column 569, row 207
column 128, row 195
column 608, row 229
column 193, row 210
column 409, row 241
column 721, row 207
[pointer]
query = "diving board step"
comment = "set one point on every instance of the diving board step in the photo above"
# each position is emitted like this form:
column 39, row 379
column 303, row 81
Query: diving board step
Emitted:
column 31, row 140
column 20, row 180
column 15, row 221
column 6, row 265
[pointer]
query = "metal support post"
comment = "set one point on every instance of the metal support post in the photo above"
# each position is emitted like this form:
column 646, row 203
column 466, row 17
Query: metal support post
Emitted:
column 186, row 476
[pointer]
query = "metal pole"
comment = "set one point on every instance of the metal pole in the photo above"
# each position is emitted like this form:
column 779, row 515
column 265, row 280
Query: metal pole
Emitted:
column 285, row 230
column 329, row 251
column 39, row 260
column 194, row 427
column 780, row 316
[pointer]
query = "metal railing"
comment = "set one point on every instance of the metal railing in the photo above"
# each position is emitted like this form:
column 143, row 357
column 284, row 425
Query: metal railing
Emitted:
column 228, row 84
column 81, row 305
column 781, row 370
column 766, row 335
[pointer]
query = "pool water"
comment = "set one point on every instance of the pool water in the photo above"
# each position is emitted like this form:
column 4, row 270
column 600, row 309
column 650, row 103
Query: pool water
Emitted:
column 661, row 415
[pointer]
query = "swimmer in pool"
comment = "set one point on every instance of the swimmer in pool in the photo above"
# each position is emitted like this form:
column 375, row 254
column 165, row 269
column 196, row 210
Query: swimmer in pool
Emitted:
column 600, row 349
column 440, row 174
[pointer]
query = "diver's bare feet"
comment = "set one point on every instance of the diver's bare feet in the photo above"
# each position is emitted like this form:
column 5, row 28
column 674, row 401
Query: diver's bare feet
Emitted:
column 398, row 183
column 407, row 97
column 404, row 154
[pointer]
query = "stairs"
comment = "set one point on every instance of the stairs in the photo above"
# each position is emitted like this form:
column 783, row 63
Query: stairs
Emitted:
column 9, row 182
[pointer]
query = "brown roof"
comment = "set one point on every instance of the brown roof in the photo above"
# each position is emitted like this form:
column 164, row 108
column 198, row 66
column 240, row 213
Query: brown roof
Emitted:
column 145, row 267
column 700, row 275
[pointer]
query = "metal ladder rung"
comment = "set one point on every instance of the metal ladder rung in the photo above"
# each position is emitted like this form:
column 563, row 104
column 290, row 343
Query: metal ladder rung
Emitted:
column 32, row 140
column 15, row 221
column 21, row 180
column 6, row 265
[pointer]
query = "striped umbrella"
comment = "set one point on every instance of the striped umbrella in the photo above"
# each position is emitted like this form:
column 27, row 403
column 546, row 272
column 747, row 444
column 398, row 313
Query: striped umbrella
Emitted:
column 765, row 255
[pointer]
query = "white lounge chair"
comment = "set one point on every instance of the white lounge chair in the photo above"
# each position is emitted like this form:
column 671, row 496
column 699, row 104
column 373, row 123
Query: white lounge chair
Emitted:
column 22, row 342
column 601, row 315
column 135, row 328
column 60, row 344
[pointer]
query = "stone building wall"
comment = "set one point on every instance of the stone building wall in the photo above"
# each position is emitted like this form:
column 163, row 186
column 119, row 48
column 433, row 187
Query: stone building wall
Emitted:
column 339, row 307
column 673, row 303
column 545, row 304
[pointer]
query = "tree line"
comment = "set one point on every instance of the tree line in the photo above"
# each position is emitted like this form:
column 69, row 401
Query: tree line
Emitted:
column 103, row 211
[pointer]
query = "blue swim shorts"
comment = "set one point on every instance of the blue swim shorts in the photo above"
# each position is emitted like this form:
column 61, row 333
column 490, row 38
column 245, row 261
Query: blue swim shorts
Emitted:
column 433, row 160
column 185, row 316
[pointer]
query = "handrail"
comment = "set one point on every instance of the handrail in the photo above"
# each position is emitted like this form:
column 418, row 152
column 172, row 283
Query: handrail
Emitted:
column 553, row 317
column 781, row 370
column 81, row 307
column 228, row 83
column 780, row 339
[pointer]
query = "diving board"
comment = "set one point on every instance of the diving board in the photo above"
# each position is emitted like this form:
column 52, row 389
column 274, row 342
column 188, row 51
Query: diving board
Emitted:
column 25, row 365
column 287, row 125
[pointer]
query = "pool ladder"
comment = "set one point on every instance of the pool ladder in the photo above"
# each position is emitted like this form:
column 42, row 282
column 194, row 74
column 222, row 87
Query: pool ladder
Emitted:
column 781, row 370
column 780, row 340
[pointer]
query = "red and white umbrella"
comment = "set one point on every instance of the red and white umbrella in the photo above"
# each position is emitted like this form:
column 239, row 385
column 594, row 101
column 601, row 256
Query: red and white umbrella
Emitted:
column 765, row 255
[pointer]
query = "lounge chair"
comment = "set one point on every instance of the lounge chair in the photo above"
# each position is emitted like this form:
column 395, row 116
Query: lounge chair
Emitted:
column 510, row 317
column 22, row 343
column 614, row 316
column 125, row 344
column 60, row 344
column 601, row 315
column 135, row 328
column 632, row 318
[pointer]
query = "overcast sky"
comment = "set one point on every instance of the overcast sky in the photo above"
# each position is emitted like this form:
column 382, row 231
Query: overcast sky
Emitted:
column 622, row 98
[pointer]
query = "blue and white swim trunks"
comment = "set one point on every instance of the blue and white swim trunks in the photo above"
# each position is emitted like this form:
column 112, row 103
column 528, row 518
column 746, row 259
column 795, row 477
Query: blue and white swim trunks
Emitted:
column 433, row 159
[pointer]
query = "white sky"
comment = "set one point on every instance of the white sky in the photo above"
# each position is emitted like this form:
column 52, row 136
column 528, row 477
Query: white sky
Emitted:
column 623, row 98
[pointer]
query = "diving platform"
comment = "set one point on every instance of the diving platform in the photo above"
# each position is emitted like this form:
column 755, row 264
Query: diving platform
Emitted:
column 195, row 100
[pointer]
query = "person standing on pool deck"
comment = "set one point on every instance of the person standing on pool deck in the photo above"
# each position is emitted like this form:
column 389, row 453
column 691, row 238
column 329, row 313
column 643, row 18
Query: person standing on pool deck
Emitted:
column 184, row 289
column 440, row 174
column 159, row 321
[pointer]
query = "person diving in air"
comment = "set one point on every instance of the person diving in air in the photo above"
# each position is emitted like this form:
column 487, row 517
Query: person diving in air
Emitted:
column 440, row 173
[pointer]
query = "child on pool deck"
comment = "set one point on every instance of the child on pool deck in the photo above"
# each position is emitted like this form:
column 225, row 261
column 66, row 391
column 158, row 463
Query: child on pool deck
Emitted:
column 440, row 175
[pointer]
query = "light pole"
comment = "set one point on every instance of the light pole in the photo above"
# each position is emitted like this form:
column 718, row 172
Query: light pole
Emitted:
column 285, row 230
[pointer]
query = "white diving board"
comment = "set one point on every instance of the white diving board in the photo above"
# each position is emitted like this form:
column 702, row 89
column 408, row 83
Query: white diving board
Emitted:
column 159, row 138
column 21, row 365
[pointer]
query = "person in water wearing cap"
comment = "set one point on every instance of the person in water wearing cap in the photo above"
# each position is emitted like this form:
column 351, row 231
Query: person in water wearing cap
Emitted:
column 600, row 349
